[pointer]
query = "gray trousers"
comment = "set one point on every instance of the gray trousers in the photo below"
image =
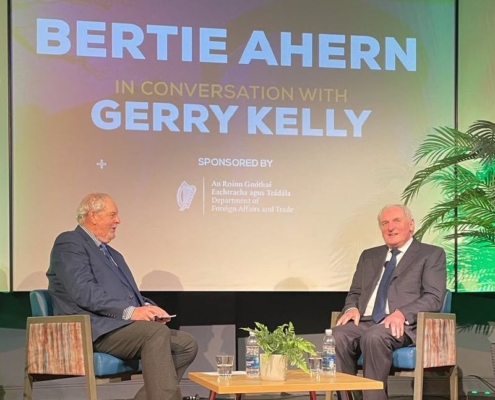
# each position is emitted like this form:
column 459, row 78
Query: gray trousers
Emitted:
column 165, row 355
column 376, row 343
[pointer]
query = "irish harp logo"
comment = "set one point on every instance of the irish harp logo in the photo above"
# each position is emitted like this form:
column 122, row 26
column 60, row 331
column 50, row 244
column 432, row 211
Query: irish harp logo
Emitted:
column 185, row 195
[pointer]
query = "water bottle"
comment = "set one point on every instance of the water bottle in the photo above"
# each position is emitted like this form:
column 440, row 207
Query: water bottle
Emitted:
column 328, row 354
column 252, row 356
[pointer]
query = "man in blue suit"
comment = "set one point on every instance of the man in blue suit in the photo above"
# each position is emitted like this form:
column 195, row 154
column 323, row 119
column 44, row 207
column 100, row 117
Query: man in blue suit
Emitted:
column 86, row 276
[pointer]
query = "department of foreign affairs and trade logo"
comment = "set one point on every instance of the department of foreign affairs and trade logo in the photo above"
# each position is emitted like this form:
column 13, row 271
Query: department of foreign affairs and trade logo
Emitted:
column 185, row 195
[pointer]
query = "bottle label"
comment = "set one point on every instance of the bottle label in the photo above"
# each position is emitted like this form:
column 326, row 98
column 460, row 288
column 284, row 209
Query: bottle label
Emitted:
column 252, row 362
column 328, row 361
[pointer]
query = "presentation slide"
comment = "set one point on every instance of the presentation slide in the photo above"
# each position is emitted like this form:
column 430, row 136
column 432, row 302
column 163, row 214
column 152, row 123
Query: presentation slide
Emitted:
column 4, row 151
column 476, row 102
column 249, row 145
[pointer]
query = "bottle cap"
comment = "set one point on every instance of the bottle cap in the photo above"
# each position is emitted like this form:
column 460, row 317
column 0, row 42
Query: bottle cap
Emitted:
column 328, row 331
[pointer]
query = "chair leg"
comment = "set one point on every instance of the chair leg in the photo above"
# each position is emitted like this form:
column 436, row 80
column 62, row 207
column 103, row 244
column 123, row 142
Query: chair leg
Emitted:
column 28, row 386
column 454, row 383
column 28, row 379
column 328, row 395
column 91, row 387
column 418, row 384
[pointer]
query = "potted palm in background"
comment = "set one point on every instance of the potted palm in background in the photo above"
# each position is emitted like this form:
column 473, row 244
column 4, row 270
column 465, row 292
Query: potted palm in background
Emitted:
column 280, row 347
column 462, row 166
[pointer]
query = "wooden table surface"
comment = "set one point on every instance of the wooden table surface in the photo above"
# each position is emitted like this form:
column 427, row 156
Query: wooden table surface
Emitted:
column 297, row 381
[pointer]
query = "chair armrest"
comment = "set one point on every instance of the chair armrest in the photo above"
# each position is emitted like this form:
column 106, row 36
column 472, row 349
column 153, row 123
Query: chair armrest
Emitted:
column 59, row 345
column 436, row 340
column 334, row 318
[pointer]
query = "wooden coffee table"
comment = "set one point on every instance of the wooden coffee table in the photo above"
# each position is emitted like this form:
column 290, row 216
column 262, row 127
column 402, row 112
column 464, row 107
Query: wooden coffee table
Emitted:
column 297, row 381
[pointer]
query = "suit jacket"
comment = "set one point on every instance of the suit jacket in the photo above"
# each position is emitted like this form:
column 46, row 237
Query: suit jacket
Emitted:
column 82, row 280
column 417, row 284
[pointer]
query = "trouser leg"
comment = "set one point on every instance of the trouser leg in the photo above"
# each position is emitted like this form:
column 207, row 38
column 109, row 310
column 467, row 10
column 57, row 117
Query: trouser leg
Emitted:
column 377, row 345
column 347, row 348
column 347, row 351
column 165, row 354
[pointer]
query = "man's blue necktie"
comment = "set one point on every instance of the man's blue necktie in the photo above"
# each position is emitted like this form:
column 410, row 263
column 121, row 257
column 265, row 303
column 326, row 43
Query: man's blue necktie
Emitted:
column 123, row 278
column 104, row 248
column 381, row 295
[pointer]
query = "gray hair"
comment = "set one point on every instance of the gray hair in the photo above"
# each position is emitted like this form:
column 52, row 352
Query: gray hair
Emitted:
column 92, row 202
column 404, row 208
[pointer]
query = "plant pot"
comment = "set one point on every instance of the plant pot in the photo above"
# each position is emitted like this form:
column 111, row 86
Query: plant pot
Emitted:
column 273, row 367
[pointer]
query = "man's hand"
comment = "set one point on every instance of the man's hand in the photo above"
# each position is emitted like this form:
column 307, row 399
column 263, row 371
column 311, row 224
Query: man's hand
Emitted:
column 148, row 313
column 395, row 322
column 351, row 314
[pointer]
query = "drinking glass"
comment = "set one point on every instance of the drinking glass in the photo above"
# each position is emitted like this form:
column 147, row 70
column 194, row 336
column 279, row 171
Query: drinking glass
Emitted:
column 225, row 364
column 315, row 364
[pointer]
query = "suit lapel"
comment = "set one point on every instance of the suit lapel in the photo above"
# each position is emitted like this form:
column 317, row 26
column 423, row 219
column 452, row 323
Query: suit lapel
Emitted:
column 94, row 247
column 378, row 264
column 128, row 280
column 126, row 272
column 374, row 273
column 407, row 259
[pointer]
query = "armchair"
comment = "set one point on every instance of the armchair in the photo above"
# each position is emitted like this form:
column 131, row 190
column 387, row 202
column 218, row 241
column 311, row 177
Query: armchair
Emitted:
column 435, row 348
column 61, row 347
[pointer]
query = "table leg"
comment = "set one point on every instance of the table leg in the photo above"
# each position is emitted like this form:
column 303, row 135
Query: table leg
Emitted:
column 213, row 395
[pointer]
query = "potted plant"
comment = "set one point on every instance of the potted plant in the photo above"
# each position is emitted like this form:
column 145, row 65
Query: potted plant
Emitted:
column 462, row 166
column 280, row 347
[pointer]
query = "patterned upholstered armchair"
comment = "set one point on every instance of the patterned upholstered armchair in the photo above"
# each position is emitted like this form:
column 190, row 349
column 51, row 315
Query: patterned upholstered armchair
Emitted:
column 435, row 348
column 61, row 347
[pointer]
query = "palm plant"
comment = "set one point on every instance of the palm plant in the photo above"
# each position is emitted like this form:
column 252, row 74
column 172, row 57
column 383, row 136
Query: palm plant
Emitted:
column 462, row 165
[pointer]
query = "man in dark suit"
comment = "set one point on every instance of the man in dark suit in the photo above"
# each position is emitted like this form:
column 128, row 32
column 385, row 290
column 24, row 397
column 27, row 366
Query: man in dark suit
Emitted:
column 392, row 283
column 86, row 276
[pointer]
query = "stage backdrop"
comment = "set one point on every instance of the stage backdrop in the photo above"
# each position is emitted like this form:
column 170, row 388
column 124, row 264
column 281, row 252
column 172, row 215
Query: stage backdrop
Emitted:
column 248, row 144
column 4, row 152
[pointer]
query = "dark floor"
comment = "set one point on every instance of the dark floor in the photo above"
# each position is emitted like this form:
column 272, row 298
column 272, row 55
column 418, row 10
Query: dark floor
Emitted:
column 287, row 396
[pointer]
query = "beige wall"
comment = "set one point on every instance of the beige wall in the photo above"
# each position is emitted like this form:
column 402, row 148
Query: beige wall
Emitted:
column 4, row 157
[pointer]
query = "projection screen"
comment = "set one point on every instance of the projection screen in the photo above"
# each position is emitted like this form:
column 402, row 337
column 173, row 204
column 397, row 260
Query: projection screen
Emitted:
column 249, row 145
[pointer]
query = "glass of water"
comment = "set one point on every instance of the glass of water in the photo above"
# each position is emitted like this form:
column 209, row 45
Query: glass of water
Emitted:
column 225, row 365
column 315, row 365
